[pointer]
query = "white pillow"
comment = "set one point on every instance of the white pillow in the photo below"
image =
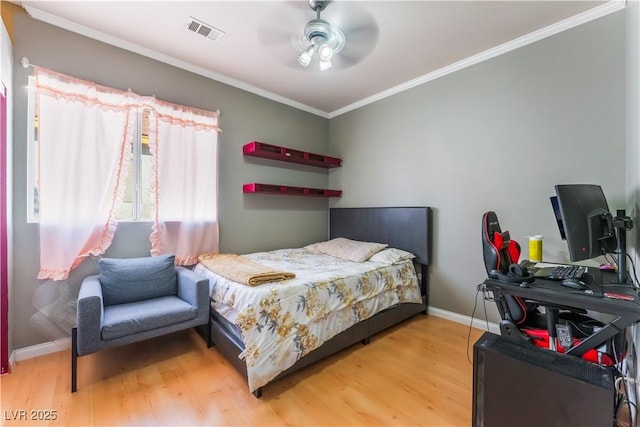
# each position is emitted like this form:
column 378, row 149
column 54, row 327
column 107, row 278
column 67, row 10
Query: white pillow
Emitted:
column 391, row 256
column 352, row 250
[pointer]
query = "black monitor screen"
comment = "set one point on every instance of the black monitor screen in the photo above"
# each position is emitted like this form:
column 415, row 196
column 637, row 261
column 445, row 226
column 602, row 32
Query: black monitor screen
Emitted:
column 586, row 220
column 558, row 215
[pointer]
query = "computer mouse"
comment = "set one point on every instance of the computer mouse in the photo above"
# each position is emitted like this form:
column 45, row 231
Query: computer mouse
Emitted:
column 575, row 284
column 607, row 267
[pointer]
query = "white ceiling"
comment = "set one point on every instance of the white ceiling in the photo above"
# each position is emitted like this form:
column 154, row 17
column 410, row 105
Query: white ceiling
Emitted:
column 397, row 44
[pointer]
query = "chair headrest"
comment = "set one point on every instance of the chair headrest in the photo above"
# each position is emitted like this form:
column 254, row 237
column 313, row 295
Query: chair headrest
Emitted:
column 499, row 251
column 490, row 223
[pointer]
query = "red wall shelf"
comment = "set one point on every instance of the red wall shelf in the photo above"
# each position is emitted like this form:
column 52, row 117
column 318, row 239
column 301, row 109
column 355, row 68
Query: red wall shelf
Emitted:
column 288, row 190
column 275, row 152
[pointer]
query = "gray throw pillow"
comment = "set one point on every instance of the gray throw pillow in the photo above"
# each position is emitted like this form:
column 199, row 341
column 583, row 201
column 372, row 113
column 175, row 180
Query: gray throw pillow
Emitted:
column 136, row 279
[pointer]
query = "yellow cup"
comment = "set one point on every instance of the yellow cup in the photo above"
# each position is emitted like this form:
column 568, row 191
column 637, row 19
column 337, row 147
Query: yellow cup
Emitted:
column 535, row 248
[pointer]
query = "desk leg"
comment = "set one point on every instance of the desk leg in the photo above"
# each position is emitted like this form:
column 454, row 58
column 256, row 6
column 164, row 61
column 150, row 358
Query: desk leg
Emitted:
column 606, row 333
column 552, row 320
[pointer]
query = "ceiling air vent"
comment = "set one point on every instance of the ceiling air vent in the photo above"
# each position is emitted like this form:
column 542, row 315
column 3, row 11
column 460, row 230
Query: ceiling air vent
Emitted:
column 203, row 29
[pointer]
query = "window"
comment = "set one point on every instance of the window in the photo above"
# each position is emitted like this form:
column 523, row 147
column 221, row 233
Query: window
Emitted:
column 93, row 147
column 137, row 204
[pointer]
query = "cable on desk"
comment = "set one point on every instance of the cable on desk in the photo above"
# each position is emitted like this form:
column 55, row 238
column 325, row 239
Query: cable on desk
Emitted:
column 480, row 288
column 579, row 326
column 631, row 357
column 622, row 385
column 635, row 282
column 610, row 259
column 633, row 268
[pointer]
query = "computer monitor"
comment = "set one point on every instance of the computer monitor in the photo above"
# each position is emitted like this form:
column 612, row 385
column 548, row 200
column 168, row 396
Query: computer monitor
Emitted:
column 586, row 219
column 558, row 215
column 590, row 228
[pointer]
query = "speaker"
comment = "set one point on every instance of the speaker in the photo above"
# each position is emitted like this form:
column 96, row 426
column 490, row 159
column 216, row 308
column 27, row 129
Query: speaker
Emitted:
column 519, row 385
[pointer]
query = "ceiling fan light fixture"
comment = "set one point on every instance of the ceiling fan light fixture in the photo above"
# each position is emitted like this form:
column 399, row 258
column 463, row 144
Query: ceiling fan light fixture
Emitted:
column 325, row 64
column 325, row 52
column 305, row 57
column 325, row 39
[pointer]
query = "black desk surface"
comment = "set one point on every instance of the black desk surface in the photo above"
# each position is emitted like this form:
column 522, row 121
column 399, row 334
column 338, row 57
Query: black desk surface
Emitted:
column 551, row 291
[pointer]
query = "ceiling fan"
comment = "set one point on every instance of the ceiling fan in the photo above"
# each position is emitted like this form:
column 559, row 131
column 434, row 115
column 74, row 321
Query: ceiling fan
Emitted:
column 345, row 37
column 324, row 39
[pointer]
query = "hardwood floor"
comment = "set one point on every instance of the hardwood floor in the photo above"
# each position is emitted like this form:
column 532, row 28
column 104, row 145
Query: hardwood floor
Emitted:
column 416, row 373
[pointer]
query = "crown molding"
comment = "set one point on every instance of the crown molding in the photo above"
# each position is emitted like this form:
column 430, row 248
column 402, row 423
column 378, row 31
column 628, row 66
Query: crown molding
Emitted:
column 132, row 47
column 574, row 21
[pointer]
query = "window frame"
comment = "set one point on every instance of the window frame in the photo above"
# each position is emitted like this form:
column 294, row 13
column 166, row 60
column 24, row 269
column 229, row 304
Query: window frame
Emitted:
column 31, row 152
column 32, row 141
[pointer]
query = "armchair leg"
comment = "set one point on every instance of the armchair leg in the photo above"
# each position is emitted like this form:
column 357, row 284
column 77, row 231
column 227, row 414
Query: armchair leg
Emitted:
column 209, row 338
column 74, row 360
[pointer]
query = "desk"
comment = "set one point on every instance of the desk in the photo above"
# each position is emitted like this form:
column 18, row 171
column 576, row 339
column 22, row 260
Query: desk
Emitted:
column 549, row 292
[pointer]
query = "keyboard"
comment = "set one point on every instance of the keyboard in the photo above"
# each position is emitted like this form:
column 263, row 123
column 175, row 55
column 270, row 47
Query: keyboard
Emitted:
column 561, row 272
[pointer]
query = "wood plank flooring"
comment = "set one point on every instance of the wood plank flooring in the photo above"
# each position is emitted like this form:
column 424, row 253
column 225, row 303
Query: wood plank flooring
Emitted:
column 414, row 374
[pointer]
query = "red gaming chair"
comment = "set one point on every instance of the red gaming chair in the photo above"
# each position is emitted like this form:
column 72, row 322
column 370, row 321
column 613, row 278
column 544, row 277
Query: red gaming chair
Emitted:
column 523, row 319
column 501, row 256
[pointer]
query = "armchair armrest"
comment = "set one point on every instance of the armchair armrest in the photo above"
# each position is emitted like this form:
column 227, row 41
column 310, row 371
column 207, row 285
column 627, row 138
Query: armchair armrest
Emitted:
column 89, row 315
column 194, row 290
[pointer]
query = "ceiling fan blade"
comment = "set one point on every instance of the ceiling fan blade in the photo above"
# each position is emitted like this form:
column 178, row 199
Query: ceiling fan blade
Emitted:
column 274, row 36
column 348, row 14
column 284, row 23
column 359, row 43
column 360, row 30
column 347, row 58
column 364, row 37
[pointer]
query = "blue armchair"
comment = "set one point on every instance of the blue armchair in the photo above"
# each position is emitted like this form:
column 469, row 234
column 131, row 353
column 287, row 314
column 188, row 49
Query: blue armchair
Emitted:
column 136, row 299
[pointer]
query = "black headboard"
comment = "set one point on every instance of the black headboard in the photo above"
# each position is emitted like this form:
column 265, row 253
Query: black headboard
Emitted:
column 408, row 229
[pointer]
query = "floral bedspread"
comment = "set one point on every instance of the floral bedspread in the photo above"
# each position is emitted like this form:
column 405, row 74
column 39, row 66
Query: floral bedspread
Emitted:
column 282, row 321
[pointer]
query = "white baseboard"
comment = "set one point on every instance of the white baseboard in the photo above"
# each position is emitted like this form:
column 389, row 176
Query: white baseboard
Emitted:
column 12, row 360
column 39, row 349
column 465, row 320
column 65, row 343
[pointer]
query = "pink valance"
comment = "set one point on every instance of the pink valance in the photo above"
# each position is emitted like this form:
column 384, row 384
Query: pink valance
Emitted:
column 85, row 135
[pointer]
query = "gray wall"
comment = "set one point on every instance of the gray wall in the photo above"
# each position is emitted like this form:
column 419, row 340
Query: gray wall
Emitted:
column 43, row 311
column 6, row 74
column 633, row 115
column 633, row 146
column 495, row 136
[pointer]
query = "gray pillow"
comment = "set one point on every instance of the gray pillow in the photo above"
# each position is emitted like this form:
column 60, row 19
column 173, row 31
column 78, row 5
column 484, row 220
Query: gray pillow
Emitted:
column 136, row 279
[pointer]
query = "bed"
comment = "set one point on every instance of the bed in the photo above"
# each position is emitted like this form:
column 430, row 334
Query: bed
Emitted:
column 311, row 314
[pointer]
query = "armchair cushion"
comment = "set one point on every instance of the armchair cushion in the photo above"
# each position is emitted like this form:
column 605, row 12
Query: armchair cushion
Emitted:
column 136, row 279
column 127, row 319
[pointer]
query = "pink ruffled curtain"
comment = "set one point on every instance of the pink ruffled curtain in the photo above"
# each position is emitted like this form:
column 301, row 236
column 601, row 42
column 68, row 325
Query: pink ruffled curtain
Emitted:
column 85, row 139
column 85, row 133
column 184, row 145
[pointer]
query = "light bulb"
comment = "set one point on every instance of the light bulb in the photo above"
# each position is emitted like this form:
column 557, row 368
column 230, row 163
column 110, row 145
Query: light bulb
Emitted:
column 305, row 57
column 325, row 65
column 325, row 51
